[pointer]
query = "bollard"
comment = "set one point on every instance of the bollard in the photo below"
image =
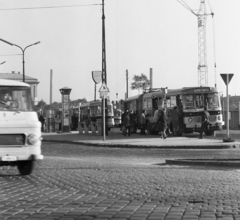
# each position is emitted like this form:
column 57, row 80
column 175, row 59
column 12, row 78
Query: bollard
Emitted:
column 93, row 129
column 85, row 128
column 80, row 128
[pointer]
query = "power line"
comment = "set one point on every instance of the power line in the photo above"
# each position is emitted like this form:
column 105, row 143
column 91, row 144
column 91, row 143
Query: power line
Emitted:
column 10, row 55
column 47, row 7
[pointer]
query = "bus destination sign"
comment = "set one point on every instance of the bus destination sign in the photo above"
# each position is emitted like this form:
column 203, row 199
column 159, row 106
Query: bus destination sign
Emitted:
column 201, row 90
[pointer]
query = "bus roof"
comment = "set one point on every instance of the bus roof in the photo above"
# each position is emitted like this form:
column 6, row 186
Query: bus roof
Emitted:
column 187, row 90
column 7, row 82
column 132, row 98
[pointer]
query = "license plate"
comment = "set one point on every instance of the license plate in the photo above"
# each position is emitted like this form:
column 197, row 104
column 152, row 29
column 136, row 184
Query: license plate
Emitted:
column 9, row 158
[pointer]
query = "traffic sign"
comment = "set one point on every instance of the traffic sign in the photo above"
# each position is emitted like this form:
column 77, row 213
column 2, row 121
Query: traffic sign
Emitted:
column 104, row 88
column 104, row 94
column 224, row 77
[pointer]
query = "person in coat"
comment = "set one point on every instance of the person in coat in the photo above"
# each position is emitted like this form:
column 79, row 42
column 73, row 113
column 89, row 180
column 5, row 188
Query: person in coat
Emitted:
column 163, row 123
column 143, row 123
column 175, row 120
column 127, row 124
column 205, row 122
column 42, row 120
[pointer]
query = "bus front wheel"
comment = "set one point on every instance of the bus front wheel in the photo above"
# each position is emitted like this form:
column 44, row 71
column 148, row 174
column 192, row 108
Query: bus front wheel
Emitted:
column 25, row 167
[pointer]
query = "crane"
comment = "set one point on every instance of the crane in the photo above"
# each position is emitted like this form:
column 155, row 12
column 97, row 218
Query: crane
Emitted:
column 202, row 46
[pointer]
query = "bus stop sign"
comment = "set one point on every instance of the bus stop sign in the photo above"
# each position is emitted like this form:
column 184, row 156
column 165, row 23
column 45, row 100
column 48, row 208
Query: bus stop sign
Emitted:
column 224, row 77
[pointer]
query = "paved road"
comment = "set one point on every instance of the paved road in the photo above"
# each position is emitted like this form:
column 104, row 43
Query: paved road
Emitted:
column 77, row 182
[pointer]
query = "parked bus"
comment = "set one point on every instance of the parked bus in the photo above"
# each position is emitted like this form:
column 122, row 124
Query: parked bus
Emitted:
column 96, row 112
column 117, row 117
column 190, row 102
column 20, row 129
column 92, row 112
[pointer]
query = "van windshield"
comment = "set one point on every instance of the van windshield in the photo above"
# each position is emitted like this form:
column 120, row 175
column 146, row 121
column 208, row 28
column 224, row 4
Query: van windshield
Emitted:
column 14, row 98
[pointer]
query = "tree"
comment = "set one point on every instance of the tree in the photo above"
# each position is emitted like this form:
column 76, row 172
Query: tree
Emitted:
column 140, row 82
column 41, row 105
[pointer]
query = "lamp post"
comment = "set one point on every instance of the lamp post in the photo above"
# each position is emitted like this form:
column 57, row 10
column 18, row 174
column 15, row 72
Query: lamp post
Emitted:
column 23, row 51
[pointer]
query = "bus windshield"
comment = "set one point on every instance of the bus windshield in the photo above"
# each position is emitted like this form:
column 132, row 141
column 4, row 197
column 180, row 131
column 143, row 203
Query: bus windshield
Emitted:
column 14, row 98
column 211, row 100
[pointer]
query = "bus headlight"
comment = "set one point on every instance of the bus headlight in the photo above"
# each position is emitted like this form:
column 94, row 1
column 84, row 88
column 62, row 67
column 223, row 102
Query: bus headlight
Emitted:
column 32, row 139
column 190, row 120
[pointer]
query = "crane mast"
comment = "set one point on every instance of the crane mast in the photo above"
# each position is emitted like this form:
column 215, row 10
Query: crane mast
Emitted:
column 202, row 42
column 202, row 46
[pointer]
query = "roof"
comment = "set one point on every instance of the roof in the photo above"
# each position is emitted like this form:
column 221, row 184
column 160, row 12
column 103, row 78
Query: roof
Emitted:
column 6, row 82
column 18, row 77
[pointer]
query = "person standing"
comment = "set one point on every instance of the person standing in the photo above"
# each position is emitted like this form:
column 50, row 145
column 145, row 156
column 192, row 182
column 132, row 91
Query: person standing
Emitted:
column 42, row 120
column 205, row 122
column 143, row 122
column 175, row 120
column 163, row 123
column 127, row 124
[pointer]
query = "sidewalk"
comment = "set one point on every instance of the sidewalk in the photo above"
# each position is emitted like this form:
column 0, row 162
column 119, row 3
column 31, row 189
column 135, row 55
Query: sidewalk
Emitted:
column 116, row 139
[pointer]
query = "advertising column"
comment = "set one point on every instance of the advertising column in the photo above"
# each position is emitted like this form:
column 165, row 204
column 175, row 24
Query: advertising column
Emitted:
column 65, row 109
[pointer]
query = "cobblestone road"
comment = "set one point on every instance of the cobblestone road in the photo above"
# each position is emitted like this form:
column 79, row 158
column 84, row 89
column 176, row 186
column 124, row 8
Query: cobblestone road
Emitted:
column 77, row 182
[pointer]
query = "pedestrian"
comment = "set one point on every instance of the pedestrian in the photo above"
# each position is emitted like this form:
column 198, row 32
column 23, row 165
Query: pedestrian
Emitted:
column 42, row 120
column 205, row 122
column 143, row 123
column 163, row 123
column 74, row 122
column 127, row 124
column 122, row 118
column 175, row 120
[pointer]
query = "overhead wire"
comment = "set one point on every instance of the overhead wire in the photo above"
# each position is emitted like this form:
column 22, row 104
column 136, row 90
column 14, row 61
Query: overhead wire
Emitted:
column 3, row 55
column 184, row 4
column 47, row 7
column 214, row 46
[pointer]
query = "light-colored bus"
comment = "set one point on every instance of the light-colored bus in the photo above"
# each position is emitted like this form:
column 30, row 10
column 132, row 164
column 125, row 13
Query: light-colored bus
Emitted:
column 96, row 112
column 20, row 129
column 190, row 101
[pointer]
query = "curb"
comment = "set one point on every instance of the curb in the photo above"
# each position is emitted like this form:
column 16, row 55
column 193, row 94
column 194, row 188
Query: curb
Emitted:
column 206, row 162
column 144, row 146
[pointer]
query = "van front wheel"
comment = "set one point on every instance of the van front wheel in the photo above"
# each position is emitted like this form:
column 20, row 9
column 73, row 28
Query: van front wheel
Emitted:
column 25, row 167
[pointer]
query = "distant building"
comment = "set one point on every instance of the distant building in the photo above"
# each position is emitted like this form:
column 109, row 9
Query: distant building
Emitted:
column 234, row 109
column 19, row 77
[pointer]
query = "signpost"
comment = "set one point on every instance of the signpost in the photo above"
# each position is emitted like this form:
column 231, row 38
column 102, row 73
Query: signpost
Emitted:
column 104, row 92
column 227, row 78
column 97, row 78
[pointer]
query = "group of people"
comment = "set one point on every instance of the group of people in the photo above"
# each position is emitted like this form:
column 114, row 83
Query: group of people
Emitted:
column 162, row 122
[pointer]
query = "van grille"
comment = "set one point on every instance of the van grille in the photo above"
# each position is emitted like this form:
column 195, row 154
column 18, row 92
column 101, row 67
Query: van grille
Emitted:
column 12, row 139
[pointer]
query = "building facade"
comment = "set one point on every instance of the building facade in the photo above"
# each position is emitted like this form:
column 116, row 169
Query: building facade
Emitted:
column 29, row 80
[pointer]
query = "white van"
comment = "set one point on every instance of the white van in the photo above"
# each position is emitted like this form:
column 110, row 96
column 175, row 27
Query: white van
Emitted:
column 20, row 129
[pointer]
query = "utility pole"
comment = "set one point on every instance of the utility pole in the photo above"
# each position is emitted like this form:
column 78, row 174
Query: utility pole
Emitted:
column 104, row 74
column 50, row 87
column 126, row 96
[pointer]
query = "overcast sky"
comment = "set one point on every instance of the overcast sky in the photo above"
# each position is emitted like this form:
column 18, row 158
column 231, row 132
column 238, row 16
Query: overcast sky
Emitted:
column 140, row 34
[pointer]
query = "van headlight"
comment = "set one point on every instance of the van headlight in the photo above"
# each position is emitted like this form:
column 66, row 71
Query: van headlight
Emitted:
column 32, row 139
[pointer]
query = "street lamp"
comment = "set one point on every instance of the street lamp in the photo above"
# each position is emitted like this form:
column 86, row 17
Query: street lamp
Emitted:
column 23, row 50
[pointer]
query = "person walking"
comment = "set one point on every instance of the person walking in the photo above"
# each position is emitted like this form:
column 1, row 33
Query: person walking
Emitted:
column 175, row 120
column 143, row 123
column 127, row 124
column 205, row 122
column 163, row 123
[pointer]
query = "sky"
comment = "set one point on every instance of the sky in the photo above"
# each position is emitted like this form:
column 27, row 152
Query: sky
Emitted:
column 140, row 34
